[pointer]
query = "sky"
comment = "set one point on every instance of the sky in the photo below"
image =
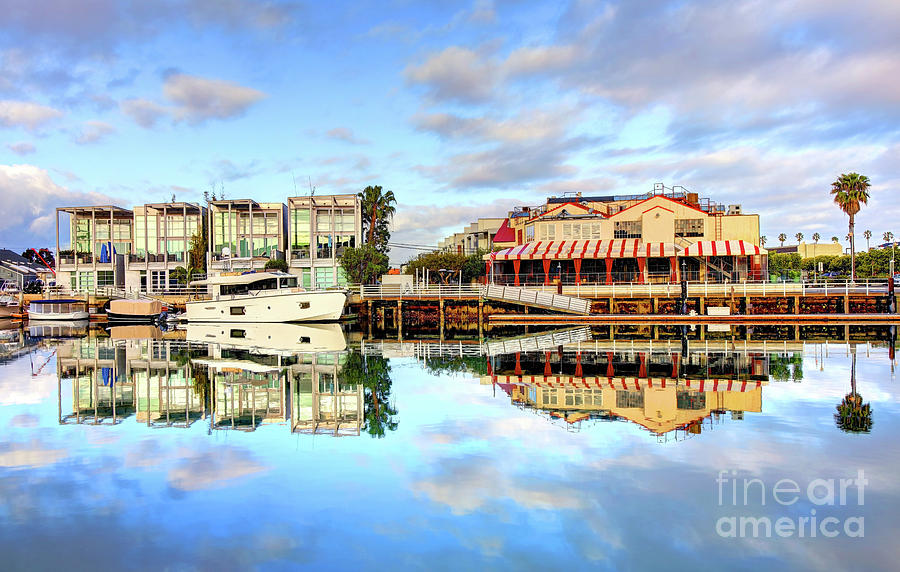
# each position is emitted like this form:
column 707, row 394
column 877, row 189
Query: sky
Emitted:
column 462, row 109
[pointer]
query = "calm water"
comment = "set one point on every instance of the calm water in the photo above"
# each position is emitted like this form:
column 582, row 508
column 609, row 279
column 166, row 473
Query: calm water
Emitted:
column 202, row 449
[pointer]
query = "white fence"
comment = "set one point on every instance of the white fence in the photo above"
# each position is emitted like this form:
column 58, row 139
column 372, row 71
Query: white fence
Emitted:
column 407, row 292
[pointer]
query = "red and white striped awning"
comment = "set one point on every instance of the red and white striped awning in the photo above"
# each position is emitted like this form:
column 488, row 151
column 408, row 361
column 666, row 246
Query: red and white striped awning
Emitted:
column 628, row 383
column 722, row 248
column 590, row 249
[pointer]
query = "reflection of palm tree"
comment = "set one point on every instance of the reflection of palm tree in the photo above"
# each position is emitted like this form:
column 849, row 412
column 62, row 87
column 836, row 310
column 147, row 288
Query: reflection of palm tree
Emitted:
column 853, row 416
column 374, row 374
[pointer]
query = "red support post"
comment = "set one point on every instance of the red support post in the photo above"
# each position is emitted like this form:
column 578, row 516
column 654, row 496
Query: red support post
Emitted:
column 517, row 264
column 577, row 262
column 609, row 262
column 642, row 265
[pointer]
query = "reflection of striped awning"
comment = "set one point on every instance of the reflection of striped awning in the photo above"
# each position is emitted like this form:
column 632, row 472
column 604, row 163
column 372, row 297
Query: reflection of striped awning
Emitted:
column 590, row 249
column 722, row 248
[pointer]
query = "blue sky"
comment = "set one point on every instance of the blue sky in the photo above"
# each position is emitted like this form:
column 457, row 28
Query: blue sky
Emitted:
column 461, row 108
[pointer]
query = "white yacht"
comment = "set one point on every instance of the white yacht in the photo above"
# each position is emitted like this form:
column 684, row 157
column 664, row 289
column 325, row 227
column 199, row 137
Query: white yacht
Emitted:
column 264, row 297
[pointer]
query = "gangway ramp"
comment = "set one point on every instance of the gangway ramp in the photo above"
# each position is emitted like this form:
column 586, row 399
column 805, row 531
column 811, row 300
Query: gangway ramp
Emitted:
column 536, row 298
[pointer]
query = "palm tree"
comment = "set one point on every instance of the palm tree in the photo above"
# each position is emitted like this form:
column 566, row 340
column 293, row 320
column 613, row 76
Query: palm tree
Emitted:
column 888, row 237
column 868, row 234
column 799, row 237
column 834, row 239
column 184, row 274
column 782, row 237
column 377, row 210
column 853, row 416
column 850, row 193
column 816, row 237
column 762, row 240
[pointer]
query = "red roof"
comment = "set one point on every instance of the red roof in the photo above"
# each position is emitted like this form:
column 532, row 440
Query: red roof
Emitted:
column 504, row 233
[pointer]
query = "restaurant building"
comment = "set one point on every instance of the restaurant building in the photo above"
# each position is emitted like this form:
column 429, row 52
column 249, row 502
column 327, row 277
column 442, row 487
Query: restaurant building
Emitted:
column 651, row 238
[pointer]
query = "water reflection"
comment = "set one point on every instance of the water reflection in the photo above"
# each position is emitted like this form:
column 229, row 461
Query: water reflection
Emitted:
column 224, row 375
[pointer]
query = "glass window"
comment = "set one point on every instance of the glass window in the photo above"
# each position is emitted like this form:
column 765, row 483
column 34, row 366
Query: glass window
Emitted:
column 82, row 234
column 323, row 220
column 324, row 247
column 324, row 278
column 102, row 230
column 529, row 233
column 627, row 229
column 689, row 227
column 105, row 278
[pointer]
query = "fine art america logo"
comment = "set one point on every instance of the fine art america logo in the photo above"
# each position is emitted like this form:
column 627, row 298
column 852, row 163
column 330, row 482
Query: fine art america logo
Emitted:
column 814, row 516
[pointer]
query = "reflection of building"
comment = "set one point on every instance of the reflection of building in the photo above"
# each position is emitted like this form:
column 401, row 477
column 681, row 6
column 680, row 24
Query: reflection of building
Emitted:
column 659, row 391
column 322, row 403
column 113, row 379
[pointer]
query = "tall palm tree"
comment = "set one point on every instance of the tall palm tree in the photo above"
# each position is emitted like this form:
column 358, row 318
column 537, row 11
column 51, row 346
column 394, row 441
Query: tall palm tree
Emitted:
column 799, row 237
column 816, row 237
column 377, row 209
column 850, row 192
column 853, row 416
column 782, row 237
column 888, row 236
column 762, row 240
column 834, row 239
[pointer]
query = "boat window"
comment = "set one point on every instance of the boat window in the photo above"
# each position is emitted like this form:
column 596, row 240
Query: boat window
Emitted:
column 267, row 284
column 304, row 340
column 303, row 305
column 237, row 311
column 238, row 333
column 290, row 282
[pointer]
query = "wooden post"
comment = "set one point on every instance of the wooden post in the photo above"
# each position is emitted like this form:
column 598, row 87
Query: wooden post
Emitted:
column 441, row 318
column 480, row 319
column 371, row 318
column 400, row 320
column 702, row 305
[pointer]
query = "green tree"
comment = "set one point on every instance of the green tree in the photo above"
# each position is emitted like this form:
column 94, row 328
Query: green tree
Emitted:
column 799, row 237
column 868, row 236
column 816, row 237
column 377, row 210
column 782, row 237
column 834, row 239
column 374, row 374
column 184, row 274
column 276, row 264
column 888, row 236
column 365, row 264
column 199, row 246
column 850, row 192
column 762, row 240
column 853, row 416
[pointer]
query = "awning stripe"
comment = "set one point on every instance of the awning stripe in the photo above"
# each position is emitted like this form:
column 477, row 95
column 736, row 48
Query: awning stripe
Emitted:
column 589, row 249
column 722, row 248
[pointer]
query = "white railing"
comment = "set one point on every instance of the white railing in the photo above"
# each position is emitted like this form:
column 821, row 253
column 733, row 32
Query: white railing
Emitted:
column 537, row 298
column 407, row 292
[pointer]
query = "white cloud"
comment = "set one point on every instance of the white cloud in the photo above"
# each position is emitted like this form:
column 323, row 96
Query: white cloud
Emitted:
column 199, row 99
column 23, row 148
column 144, row 112
column 25, row 114
column 30, row 197
column 93, row 132
column 346, row 134
column 455, row 73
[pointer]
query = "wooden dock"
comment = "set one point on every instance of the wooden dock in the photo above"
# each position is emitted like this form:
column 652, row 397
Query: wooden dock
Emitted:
column 762, row 319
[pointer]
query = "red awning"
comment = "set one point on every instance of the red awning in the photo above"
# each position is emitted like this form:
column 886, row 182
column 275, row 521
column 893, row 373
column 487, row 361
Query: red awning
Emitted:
column 504, row 233
column 722, row 248
column 585, row 249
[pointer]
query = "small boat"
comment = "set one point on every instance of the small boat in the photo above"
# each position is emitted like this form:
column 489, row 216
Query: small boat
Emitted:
column 58, row 309
column 264, row 297
column 134, row 311
column 9, row 300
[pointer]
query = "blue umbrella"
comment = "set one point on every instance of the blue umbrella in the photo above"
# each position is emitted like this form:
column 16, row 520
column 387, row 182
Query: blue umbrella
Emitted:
column 104, row 256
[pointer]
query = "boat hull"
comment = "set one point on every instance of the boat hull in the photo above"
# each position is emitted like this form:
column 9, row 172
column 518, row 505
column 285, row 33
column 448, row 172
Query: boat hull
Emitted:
column 325, row 306
column 60, row 317
column 132, row 318
column 291, row 338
